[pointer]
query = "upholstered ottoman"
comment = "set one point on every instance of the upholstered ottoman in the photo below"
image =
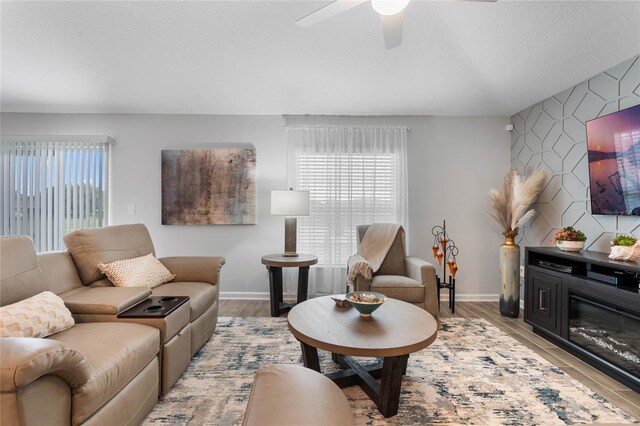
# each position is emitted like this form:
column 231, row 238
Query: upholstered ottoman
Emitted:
column 294, row 395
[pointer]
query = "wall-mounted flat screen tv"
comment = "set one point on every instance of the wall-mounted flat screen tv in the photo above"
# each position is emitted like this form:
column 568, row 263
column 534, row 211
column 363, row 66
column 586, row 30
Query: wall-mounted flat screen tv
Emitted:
column 613, row 148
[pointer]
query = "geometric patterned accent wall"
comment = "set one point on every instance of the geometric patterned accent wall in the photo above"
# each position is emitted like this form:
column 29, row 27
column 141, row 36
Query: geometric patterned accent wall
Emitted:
column 551, row 134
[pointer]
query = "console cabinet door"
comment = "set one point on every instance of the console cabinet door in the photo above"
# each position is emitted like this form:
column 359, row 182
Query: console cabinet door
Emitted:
column 544, row 295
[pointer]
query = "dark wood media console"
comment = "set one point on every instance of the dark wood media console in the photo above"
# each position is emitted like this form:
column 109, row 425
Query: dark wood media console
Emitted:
column 589, row 305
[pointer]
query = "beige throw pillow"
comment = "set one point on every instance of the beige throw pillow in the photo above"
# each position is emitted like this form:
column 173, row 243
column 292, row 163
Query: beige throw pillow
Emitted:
column 143, row 271
column 38, row 316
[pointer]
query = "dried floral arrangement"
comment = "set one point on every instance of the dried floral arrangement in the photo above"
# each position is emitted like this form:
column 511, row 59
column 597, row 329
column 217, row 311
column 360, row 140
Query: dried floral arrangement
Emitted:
column 510, row 204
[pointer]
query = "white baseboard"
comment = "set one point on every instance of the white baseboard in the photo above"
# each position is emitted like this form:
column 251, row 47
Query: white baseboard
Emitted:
column 244, row 295
column 464, row 297
column 260, row 295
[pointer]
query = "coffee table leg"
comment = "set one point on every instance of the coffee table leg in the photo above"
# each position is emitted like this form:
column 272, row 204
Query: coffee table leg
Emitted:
column 390, row 383
column 275, row 289
column 310, row 357
column 404, row 365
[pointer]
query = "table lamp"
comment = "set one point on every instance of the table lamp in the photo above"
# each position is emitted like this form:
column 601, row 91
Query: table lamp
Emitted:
column 291, row 204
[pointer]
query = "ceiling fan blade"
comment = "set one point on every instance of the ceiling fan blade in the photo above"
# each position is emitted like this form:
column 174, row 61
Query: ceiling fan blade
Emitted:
column 392, row 29
column 327, row 11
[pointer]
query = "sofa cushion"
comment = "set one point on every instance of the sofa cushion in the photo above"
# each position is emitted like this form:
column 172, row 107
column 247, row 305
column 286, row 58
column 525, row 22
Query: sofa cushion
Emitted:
column 143, row 271
column 37, row 316
column 88, row 247
column 201, row 295
column 20, row 273
column 398, row 287
column 116, row 353
column 60, row 271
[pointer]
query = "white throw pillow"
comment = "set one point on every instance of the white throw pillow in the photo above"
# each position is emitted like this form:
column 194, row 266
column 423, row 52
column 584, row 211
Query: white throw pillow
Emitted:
column 38, row 316
column 143, row 271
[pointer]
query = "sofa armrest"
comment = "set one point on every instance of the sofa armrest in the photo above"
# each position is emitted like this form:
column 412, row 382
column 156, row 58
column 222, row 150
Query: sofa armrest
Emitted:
column 204, row 269
column 105, row 300
column 25, row 359
column 425, row 273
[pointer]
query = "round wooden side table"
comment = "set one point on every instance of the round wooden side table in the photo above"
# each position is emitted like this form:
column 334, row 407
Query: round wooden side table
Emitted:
column 274, row 264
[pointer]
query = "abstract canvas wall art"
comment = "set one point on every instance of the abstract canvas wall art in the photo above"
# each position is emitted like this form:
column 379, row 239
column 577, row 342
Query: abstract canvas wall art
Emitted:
column 209, row 186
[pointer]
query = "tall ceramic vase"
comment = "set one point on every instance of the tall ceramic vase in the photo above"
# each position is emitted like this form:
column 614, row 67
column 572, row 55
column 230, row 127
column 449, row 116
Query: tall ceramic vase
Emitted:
column 510, row 276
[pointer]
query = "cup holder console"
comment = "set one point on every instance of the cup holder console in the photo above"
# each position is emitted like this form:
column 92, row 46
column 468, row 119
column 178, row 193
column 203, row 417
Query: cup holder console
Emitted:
column 154, row 307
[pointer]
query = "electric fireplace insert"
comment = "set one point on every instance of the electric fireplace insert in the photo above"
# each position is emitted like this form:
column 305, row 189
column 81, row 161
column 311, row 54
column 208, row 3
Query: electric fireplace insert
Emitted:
column 609, row 333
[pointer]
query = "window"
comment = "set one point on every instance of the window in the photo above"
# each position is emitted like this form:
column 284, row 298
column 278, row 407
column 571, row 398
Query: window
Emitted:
column 345, row 191
column 52, row 186
column 355, row 176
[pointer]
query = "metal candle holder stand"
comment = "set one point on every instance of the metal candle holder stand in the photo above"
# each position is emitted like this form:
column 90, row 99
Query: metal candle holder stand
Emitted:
column 445, row 251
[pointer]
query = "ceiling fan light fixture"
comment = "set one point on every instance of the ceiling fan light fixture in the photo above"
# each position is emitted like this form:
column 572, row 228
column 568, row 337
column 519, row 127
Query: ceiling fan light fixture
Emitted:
column 389, row 7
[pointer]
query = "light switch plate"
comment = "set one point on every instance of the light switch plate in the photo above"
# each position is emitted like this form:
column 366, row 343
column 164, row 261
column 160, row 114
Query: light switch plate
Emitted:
column 521, row 271
column 131, row 210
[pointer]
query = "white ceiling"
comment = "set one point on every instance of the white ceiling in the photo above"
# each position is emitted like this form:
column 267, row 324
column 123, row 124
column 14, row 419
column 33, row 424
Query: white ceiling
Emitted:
column 248, row 57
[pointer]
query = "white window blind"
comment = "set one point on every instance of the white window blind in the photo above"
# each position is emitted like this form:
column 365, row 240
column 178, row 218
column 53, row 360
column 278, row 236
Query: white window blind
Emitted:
column 52, row 186
column 355, row 175
column 345, row 191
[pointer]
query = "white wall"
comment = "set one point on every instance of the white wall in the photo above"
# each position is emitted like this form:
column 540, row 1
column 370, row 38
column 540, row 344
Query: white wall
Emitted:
column 453, row 161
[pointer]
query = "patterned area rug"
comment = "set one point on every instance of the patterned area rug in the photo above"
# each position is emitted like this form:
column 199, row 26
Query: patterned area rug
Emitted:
column 472, row 374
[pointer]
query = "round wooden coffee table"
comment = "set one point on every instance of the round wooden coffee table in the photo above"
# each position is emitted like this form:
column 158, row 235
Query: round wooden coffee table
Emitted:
column 394, row 331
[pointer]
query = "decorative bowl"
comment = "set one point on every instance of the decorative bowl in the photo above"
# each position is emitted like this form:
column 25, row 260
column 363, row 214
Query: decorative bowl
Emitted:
column 366, row 302
column 570, row 245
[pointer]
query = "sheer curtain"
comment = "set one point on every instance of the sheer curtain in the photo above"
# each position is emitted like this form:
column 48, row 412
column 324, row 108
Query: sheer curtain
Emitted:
column 355, row 175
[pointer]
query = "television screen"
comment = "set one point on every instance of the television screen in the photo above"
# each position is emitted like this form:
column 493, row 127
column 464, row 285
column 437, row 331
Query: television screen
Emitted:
column 613, row 146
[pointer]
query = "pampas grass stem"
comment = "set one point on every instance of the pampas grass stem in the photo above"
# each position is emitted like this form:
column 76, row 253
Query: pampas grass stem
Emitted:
column 510, row 204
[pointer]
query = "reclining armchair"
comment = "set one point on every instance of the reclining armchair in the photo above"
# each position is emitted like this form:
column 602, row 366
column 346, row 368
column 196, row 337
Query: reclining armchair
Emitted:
column 402, row 277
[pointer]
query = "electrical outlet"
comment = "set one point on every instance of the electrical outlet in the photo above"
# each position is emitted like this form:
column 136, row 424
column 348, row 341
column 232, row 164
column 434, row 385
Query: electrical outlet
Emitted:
column 131, row 210
column 521, row 271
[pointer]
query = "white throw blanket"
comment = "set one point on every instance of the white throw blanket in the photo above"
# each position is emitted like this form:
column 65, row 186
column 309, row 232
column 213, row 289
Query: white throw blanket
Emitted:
column 373, row 250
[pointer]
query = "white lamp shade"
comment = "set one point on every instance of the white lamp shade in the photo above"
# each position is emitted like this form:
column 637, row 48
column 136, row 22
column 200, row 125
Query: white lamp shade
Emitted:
column 290, row 203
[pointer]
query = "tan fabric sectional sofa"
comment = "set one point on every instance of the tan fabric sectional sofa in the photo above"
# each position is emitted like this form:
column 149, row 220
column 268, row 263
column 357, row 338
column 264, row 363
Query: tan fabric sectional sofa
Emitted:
column 103, row 370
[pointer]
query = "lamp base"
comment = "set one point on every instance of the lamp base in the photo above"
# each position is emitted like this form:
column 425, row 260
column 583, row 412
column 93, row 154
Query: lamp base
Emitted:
column 290, row 236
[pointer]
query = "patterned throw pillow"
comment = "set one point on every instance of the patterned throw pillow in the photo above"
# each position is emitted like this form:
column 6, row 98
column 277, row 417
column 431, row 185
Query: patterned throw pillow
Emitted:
column 143, row 271
column 38, row 316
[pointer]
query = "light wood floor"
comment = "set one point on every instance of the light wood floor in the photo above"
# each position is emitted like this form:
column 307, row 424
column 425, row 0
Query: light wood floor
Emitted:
column 615, row 392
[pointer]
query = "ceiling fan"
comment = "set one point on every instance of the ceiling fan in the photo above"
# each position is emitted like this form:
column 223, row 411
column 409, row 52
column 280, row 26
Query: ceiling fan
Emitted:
column 391, row 16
